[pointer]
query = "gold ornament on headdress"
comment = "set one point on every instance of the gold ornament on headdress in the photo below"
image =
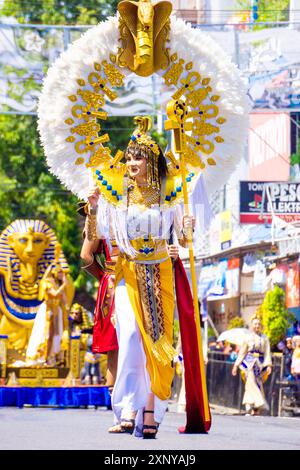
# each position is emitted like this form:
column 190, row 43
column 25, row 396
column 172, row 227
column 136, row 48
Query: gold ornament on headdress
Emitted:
column 140, row 137
column 144, row 30
column 87, row 322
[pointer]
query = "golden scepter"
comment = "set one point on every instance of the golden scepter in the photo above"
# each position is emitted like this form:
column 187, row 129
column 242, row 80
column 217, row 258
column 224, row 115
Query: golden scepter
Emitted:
column 176, row 112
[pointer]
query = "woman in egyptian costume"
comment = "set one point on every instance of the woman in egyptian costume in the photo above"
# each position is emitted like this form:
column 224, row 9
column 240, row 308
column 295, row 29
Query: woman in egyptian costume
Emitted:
column 144, row 295
column 139, row 205
column 255, row 363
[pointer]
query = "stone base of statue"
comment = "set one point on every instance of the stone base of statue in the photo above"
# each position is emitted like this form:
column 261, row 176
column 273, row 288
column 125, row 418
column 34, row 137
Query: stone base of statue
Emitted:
column 36, row 376
column 55, row 396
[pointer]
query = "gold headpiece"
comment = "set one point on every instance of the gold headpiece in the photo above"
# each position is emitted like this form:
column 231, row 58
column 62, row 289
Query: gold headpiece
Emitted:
column 76, row 306
column 87, row 322
column 140, row 136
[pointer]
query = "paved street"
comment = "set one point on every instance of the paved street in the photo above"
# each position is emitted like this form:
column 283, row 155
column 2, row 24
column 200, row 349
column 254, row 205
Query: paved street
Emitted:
column 45, row 428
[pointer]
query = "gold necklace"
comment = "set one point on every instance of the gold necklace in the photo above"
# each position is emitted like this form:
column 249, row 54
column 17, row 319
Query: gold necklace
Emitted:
column 143, row 195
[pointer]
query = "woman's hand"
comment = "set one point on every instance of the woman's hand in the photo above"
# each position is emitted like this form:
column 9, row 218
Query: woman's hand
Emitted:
column 93, row 197
column 113, row 319
column 269, row 370
column 188, row 223
column 173, row 251
column 234, row 371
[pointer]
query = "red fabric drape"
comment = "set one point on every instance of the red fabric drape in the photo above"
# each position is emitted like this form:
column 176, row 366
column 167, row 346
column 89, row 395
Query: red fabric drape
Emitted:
column 195, row 421
column 104, row 333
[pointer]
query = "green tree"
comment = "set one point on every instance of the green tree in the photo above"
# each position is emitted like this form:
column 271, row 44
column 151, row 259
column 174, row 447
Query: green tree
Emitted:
column 268, row 10
column 59, row 11
column 236, row 322
column 275, row 316
column 27, row 188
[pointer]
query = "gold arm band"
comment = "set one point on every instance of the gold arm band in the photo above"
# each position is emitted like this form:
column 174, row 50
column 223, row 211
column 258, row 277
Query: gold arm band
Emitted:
column 91, row 227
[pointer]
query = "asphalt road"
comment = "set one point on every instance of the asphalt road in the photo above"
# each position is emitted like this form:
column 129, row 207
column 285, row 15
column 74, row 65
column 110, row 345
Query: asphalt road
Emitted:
column 50, row 428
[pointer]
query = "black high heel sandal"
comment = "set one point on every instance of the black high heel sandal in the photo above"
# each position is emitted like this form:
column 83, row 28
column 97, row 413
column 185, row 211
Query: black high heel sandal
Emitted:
column 110, row 391
column 150, row 435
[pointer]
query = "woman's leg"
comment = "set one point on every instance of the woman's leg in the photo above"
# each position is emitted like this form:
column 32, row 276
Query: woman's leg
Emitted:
column 149, row 417
column 112, row 364
column 254, row 396
column 130, row 390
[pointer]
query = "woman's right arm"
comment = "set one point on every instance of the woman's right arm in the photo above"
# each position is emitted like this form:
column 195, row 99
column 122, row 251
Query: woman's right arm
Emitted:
column 240, row 358
column 88, row 249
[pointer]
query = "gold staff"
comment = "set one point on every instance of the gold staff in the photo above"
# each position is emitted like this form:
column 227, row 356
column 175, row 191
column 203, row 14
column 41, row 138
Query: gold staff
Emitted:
column 176, row 112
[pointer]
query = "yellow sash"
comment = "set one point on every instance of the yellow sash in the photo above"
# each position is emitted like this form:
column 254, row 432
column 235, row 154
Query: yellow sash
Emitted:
column 159, row 354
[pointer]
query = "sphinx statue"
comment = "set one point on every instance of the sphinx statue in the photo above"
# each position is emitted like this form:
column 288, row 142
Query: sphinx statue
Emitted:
column 28, row 251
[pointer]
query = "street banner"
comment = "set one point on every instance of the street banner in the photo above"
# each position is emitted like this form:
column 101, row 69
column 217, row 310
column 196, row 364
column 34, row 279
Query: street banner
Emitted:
column 232, row 277
column 259, row 277
column 292, row 286
column 255, row 208
column 269, row 146
column 226, row 229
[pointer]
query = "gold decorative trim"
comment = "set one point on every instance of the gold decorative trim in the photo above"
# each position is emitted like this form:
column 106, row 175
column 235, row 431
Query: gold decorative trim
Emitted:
column 201, row 134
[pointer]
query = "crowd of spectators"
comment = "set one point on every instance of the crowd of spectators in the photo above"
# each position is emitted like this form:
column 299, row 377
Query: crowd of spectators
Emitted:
column 225, row 350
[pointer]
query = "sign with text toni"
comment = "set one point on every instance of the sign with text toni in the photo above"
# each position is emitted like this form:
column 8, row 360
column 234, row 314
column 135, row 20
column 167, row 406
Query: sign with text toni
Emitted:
column 256, row 207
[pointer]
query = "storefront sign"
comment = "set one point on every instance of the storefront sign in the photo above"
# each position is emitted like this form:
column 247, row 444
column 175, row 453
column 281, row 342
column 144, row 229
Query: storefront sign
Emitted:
column 252, row 299
column 255, row 208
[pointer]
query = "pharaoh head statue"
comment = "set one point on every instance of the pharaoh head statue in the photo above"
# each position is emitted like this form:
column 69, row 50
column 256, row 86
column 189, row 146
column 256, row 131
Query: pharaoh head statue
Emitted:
column 29, row 245
column 27, row 249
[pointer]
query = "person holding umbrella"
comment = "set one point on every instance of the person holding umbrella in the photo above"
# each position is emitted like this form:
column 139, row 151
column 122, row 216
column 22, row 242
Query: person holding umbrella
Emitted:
column 255, row 362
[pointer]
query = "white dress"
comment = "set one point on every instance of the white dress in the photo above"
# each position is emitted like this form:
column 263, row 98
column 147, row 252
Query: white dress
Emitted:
column 132, row 387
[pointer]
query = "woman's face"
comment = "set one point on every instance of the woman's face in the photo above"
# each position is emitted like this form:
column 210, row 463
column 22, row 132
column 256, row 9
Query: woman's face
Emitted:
column 256, row 326
column 137, row 167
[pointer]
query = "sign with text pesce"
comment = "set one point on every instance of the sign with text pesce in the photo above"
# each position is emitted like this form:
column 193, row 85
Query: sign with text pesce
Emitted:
column 284, row 200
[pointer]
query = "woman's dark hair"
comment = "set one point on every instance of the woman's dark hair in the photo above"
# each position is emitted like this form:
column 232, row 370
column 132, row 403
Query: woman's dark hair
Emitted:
column 162, row 164
column 144, row 151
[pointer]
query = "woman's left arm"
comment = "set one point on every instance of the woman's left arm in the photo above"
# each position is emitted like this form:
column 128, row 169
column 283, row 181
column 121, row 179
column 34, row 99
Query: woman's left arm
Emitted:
column 182, row 225
column 267, row 356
